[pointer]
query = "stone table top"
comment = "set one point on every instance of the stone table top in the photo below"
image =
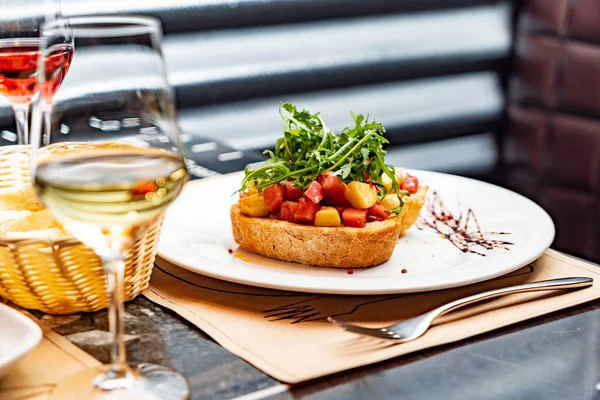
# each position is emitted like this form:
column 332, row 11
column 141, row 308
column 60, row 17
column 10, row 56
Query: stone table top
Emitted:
column 553, row 357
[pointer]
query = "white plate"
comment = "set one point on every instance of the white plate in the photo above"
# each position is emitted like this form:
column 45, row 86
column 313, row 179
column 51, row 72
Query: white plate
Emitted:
column 18, row 336
column 197, row 235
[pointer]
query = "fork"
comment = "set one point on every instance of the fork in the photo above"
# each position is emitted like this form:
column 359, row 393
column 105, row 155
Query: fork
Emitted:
column 412, row 328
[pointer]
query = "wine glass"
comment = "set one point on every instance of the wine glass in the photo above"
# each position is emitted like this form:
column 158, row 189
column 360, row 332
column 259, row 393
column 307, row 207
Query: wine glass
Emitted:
column 20, row 22
column 109, row 165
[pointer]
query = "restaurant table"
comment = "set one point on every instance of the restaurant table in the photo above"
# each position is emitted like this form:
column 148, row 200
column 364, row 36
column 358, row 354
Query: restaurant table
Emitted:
column 552, row 357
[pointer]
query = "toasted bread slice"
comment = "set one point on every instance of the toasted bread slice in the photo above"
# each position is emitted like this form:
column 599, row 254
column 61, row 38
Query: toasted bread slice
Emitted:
column 337, row 247
column 412, row 208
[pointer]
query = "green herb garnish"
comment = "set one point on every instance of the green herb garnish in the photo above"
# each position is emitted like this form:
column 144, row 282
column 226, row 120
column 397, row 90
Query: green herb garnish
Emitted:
column 308, row 149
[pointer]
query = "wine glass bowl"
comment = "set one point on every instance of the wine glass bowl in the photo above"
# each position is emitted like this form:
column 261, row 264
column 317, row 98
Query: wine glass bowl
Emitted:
column 107, row 161
column 20, row 42
column 107, row 193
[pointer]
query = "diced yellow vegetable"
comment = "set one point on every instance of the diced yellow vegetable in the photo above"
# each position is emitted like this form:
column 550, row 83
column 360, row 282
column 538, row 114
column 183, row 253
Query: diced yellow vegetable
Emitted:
column 387, row 181
column 327, row 216
column 251, row 188
column 390, row 202
column 361, row 195
column 253, row 206
column 399, row 173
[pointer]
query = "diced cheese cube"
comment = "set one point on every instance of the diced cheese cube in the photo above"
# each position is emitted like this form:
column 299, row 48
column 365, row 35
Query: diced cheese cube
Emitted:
column 390, row 202
column 361, row 195
column 327, row 216
column 253, row 206
column 387, row 181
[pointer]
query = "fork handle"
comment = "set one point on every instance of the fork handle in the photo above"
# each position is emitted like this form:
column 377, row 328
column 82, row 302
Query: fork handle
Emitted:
column 552, row 284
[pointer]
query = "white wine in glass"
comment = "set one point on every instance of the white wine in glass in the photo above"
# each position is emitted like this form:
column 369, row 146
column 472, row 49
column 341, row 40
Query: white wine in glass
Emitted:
column 107, row 163
column 101, row 192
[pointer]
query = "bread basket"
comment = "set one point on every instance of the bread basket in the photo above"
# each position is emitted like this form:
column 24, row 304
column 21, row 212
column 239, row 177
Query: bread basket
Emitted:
column 62, row 276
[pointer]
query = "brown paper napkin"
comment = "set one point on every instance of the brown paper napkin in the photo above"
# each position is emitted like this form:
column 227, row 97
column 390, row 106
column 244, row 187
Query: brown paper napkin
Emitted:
column 286, row 334
column 34, row 376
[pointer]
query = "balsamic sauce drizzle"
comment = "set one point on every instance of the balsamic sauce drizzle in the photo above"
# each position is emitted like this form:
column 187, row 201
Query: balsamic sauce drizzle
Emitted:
column 462, row 230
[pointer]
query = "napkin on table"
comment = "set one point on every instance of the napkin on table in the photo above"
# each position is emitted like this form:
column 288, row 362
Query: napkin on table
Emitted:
column 286, row 334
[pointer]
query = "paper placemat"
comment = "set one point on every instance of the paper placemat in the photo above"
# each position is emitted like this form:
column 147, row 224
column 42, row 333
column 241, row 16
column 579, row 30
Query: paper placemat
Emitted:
column 55, row 358
column 286, row 334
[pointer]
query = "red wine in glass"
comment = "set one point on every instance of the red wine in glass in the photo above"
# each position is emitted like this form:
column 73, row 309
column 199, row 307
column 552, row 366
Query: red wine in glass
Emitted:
column 18, row 68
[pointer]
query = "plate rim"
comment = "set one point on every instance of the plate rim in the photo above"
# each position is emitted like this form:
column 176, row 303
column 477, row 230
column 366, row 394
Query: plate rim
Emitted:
column 27, row 344
column 300, row 288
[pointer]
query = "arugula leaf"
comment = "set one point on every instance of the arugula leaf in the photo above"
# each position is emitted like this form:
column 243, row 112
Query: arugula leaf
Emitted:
column 345, row 170
column 308, row 149
column 365, row 153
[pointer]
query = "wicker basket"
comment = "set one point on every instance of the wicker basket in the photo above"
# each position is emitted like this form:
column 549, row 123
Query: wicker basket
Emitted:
column 62, row 276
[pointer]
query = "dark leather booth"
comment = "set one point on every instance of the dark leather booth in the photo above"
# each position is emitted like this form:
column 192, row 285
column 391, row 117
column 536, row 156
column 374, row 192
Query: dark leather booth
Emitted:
column 552, row 144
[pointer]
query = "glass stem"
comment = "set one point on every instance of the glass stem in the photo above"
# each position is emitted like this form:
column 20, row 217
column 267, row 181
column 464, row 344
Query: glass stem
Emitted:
column 47, row 113
column 22, row 118
column 115, row 269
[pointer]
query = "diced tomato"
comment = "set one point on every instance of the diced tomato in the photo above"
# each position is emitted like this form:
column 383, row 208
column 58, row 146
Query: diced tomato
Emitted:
column 292, row 192
column 376, row 187
column 306, row 210
column 314, row 192
column 332, row 184
column 287, row 211
column 274, row 196
column 410, row 184
column 340, row 209
column 338, row 201
column 334, row 189
column 354, row 217
column 324, row 176
column 377, row 213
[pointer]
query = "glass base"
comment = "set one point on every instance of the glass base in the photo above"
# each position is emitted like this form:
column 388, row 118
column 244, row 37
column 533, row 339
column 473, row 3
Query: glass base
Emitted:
column 143, row 381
